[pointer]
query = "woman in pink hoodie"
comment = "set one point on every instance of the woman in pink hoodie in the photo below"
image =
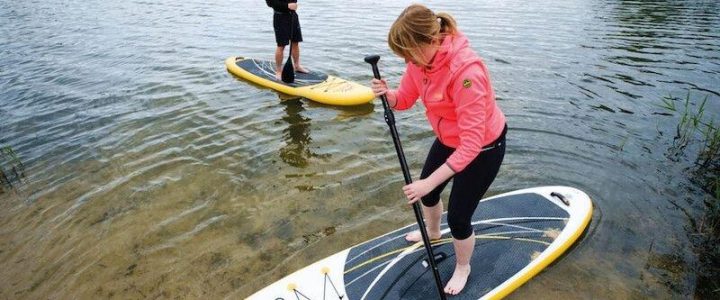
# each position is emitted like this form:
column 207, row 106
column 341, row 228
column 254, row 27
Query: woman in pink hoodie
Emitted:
column 459, row 101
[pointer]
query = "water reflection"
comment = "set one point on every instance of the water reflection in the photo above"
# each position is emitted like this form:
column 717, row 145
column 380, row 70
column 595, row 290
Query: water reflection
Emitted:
column 296, row 151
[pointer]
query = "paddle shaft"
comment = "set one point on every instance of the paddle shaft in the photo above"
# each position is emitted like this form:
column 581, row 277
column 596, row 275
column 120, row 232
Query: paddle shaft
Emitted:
column 288, row 71
column 390, row 120
column 290, row 42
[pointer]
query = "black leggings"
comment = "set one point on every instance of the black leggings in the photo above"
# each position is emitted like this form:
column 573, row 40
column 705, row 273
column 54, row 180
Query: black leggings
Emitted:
column 469, row 185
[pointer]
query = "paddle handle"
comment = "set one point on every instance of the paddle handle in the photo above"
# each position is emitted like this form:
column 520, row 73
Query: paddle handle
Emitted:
column 390, row 120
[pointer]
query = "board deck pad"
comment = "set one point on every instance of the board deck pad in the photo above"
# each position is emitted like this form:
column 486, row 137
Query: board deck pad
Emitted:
column 266, row 69
column 517, row 234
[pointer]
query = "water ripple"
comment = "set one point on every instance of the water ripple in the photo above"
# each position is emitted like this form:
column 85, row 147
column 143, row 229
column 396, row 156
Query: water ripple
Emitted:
column 146, row 159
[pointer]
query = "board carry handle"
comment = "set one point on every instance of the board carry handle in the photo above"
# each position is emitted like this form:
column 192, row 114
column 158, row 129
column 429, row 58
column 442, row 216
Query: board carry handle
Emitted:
column 390, row 120
column 561, row 197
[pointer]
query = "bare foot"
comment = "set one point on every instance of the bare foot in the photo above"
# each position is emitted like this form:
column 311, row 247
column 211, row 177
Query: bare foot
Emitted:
column 458, row 280
column 416, row 236
column 301, row 69
column 278, row 75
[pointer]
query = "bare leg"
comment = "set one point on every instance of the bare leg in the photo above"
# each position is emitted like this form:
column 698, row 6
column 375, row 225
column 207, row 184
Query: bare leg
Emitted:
column 296, row 58
column 432, row 223
column 463, row 252
column 278, row 61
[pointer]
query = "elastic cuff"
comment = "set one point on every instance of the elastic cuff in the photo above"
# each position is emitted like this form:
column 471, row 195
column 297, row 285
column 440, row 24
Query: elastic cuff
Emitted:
column 462, row 235
column 430, row 202
column 451, row 168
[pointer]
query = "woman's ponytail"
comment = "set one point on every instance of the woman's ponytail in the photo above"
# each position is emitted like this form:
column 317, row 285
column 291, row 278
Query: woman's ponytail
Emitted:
column 448, row 26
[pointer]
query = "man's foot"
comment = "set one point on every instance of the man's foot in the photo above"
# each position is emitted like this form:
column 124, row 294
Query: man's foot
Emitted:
column 278, row 75
column 301, row 69
column 458, row 280
column 416, row 236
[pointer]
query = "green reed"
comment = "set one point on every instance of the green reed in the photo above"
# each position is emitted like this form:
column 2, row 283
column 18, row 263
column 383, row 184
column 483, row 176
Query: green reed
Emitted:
column 693, row 128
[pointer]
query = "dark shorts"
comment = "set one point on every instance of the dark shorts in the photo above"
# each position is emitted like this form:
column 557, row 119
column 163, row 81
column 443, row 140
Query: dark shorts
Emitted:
column 469, row 185
column 283, row 30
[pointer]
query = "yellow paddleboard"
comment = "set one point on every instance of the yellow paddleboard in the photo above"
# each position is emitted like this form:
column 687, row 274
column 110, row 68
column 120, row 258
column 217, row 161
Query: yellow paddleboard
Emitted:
column 314, row 85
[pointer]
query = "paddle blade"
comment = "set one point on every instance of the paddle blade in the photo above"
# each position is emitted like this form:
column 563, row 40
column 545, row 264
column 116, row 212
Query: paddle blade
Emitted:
column 288, row 72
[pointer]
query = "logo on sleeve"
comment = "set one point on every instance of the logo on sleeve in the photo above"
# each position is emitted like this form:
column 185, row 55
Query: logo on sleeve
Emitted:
column 467, row 83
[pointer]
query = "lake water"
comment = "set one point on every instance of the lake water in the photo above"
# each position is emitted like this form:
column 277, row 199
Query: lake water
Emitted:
column 149, row 171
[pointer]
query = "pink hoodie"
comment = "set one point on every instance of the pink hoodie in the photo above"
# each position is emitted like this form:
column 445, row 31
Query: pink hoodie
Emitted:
column 458, row 97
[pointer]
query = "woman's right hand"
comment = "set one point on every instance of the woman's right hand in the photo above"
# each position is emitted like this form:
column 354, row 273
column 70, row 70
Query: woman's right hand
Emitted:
column 379, row 87
column 292, row 6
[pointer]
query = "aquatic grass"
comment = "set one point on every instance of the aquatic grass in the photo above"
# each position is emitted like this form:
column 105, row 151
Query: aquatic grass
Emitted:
column 711, row 147
column 693, row 127
column 691, row 122
column 708, row 249
column 12, row 171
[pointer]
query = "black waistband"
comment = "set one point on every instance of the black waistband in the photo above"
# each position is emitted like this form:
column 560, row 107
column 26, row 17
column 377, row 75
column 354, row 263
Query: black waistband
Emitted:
column 497, row 142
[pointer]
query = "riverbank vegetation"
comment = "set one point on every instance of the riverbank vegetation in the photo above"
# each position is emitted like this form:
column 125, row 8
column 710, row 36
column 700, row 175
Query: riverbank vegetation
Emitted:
column 703, row 133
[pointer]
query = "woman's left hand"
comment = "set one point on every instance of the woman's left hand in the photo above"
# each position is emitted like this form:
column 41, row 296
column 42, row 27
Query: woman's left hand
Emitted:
column 417, row 190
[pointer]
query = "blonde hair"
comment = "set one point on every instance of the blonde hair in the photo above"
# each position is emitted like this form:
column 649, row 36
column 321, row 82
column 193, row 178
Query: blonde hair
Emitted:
column 418, row 26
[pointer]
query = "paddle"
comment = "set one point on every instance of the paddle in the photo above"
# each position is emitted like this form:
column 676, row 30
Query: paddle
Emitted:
column 390, row 120
column 288, row 71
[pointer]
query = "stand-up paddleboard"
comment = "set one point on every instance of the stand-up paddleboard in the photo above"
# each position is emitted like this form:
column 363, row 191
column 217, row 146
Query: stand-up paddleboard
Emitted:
column 517, row 234
column 315, row 86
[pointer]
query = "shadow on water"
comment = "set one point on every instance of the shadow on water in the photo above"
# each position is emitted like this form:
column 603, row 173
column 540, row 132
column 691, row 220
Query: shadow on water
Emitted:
column 344, row 112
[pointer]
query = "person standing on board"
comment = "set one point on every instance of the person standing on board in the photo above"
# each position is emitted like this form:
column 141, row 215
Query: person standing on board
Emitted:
column 286, row 24
column 454, row 85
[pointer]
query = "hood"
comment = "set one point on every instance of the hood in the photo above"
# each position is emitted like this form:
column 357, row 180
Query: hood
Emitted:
column 449, row 49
